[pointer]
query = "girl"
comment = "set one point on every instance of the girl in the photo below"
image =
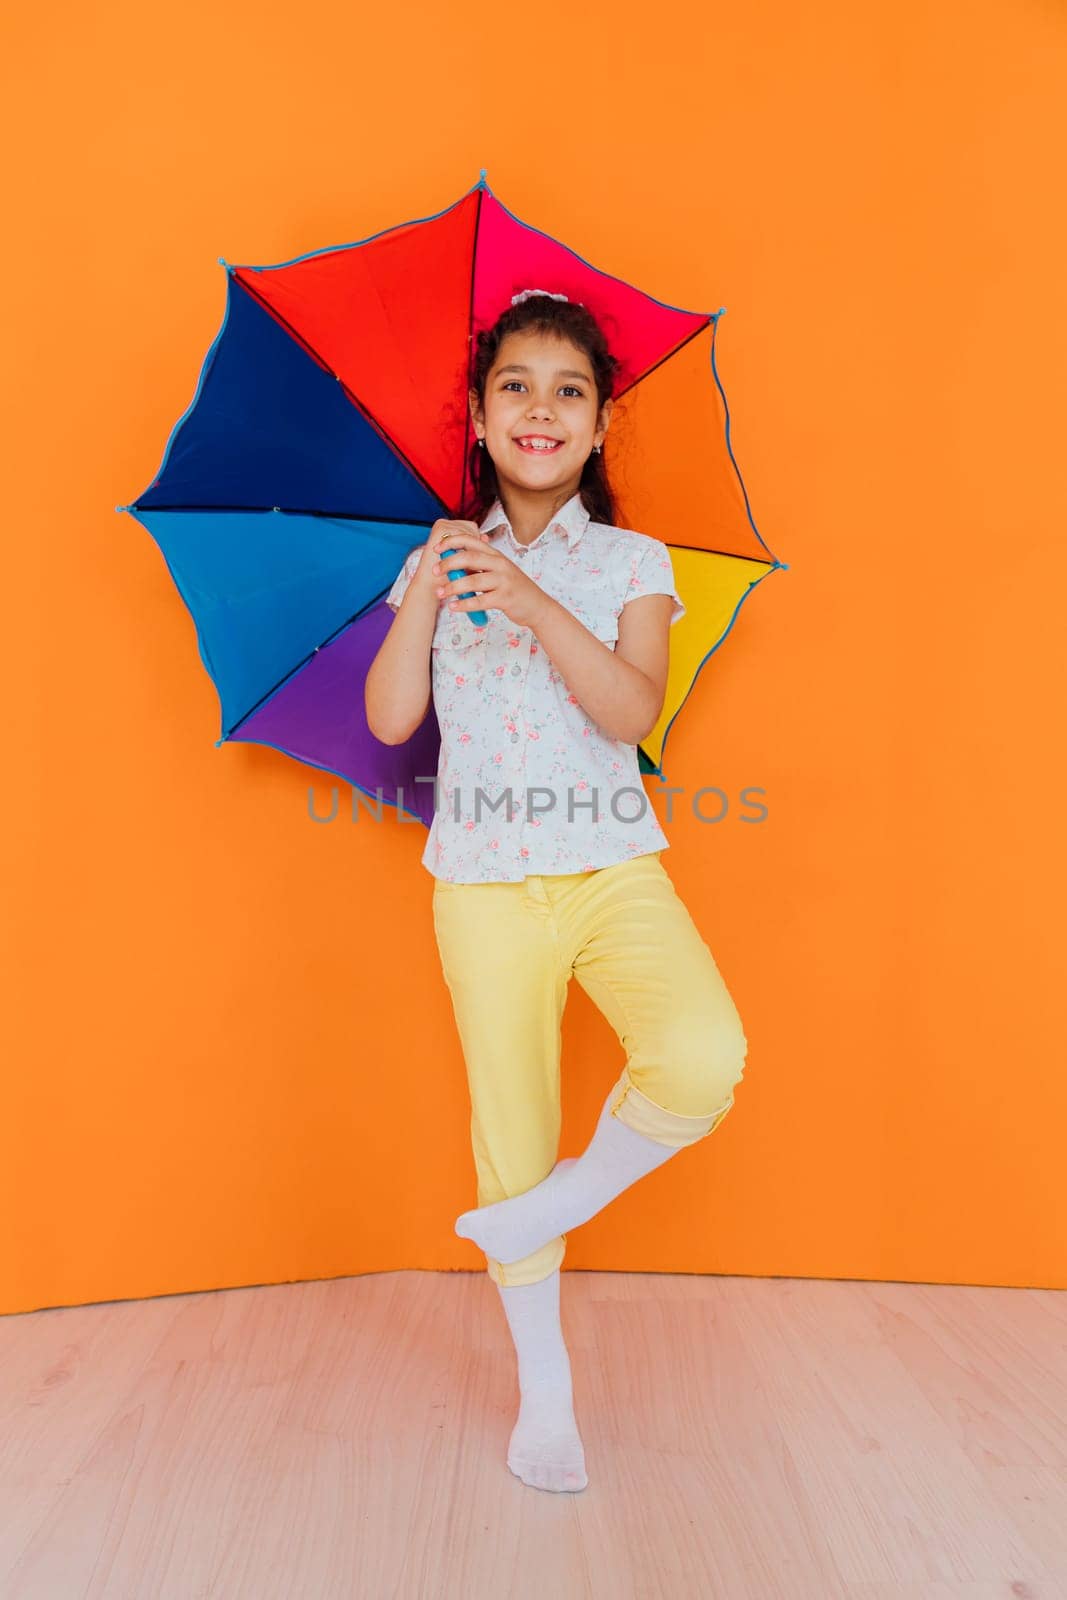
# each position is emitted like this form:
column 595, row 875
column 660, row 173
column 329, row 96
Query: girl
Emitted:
column 544, row 852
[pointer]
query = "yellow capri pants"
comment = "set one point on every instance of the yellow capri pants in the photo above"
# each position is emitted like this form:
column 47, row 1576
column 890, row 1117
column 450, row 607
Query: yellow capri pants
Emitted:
column 508, row 952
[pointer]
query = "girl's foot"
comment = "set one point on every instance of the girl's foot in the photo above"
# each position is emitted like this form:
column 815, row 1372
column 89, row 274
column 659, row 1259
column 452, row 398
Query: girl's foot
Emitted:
column 545, row 1449
column 511, row 1229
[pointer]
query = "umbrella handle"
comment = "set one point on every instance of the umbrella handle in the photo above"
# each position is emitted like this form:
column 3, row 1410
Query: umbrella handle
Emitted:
column 479, row 618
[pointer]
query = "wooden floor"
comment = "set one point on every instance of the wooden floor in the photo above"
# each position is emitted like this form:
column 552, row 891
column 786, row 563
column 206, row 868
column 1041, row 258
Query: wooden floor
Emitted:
column 746, row 1439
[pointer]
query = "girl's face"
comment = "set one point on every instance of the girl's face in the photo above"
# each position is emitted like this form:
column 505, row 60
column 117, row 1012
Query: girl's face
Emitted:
column 543, row 387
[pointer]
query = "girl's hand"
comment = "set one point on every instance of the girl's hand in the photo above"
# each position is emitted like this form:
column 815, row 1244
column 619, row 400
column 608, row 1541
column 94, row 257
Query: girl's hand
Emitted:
column 496, row 579
column 428, row 572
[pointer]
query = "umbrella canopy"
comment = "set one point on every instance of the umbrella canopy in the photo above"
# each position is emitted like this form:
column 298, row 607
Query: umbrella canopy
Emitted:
column 330, row 429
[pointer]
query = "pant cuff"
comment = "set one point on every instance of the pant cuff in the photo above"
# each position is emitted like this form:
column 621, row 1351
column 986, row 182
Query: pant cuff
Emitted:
column 643, row 1115
column 532, row 1268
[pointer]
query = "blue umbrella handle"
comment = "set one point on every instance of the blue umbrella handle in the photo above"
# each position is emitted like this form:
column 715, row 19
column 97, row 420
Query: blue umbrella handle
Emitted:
column 479, row 618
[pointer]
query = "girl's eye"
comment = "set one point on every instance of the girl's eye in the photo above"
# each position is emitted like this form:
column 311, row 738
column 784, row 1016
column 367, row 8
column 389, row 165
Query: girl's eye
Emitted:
column 577, row 391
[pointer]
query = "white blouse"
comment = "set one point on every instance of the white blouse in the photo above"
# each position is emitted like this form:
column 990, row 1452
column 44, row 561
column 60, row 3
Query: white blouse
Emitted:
column 527, row 782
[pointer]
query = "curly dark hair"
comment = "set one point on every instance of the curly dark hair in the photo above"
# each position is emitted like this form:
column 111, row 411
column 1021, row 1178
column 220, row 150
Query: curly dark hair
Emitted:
column 566, row 319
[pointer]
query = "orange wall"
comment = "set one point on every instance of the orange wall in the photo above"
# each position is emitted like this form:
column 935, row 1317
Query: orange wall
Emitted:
column 230, row 1057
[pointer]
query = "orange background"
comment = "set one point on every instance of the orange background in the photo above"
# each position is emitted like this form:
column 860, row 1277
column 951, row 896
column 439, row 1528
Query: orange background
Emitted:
column 229, row 1051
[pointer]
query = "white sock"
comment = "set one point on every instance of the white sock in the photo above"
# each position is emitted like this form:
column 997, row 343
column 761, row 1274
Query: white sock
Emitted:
column 545, row 1449
column 574, row 1191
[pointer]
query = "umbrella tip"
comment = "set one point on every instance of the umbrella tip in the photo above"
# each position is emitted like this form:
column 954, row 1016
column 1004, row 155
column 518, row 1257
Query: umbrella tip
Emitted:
column 224, row 263
column 481, row 176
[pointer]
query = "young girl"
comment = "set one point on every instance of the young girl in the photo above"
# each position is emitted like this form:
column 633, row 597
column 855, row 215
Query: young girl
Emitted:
column 544, row 851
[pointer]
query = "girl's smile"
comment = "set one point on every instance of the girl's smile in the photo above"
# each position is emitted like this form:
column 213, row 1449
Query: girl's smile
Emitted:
column 538, row 444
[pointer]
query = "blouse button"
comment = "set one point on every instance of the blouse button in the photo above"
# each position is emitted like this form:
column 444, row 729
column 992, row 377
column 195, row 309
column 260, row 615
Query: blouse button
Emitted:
column 516, row 669
column 455, row 638
column 514, row 738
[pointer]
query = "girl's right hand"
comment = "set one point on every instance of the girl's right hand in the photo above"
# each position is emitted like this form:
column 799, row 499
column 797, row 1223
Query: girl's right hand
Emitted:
column 431, row 572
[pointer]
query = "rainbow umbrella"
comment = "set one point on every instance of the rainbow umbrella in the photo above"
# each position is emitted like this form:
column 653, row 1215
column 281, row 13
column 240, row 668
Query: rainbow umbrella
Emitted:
column 330, row 429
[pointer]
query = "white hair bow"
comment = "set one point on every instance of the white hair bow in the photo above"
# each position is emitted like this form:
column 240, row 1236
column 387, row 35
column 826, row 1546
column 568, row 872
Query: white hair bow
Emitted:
column 524, row 294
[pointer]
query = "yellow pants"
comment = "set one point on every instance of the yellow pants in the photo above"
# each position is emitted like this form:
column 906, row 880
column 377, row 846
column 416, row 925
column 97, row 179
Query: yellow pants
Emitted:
column 508, row 951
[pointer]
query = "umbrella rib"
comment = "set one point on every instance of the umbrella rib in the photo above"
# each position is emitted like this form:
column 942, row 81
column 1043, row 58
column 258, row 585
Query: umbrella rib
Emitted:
column 470, row 347
column 299, row 511
column 354, row 398
column 363, row 610
column 732, row 555
column 672, row 352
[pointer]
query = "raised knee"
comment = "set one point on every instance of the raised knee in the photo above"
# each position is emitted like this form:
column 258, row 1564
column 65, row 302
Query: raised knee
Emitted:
column 706, row 1061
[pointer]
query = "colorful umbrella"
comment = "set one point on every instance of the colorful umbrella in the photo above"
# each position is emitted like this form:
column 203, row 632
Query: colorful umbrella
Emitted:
column 328, row 432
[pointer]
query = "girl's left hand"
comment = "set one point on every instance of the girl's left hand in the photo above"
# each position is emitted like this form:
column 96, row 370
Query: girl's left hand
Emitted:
column 499, row 582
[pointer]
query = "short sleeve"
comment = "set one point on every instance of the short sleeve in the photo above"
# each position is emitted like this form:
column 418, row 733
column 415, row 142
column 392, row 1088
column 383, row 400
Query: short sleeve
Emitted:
column 651, row 572
column 404, row 577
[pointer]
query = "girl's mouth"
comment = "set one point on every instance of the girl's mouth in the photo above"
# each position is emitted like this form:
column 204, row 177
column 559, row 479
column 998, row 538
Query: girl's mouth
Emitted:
column 542, row 449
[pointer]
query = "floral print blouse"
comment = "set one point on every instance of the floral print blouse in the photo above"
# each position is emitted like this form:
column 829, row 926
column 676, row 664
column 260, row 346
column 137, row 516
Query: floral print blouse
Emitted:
column 526, row 781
